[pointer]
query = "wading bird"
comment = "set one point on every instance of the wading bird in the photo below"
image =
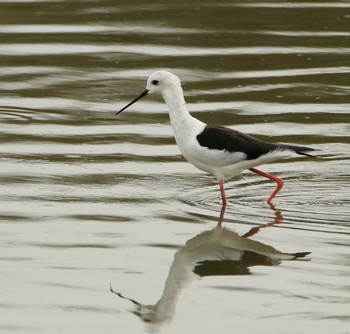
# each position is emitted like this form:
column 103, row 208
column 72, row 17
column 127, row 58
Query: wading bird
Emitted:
column 217, row 150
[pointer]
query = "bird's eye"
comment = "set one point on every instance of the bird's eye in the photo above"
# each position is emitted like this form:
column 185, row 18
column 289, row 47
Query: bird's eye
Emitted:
column 155, row 82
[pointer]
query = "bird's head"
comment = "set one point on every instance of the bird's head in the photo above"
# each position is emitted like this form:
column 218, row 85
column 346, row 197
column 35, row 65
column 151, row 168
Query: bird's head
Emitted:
column 158, row 82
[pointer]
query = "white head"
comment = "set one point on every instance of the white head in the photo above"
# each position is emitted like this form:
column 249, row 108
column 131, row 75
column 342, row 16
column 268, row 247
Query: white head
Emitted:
column 158, row 82
column 162, row 80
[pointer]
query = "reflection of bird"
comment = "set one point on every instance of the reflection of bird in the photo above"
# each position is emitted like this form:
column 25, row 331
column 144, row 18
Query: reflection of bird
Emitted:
column 215, row 252
column 220, row 151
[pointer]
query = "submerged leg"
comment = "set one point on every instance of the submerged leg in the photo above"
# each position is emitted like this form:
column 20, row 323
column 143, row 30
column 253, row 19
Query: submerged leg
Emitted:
column 224, row 203
column 279, row 182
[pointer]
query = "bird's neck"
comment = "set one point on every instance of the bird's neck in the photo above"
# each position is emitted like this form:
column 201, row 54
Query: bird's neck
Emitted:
column 175, row 101
column 180, row 118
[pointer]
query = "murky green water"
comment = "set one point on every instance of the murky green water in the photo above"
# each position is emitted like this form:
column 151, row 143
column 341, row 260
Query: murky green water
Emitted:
column 88, row 199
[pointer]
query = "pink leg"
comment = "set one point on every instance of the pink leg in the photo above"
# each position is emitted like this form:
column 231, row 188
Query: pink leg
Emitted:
column 224, row 203
column 223, row 195
column 273, row 178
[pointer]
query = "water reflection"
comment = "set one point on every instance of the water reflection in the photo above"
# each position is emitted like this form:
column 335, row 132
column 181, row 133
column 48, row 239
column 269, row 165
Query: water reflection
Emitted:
column 219, row 251
column 278, row 220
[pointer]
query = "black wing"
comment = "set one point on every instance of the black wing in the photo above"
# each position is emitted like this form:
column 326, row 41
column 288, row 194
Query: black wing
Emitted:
column 221, row 138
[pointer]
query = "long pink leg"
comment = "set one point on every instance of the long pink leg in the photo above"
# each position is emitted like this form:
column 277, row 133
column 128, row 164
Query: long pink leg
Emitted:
column 223, row 195
column 224, row 203
column 279, row 182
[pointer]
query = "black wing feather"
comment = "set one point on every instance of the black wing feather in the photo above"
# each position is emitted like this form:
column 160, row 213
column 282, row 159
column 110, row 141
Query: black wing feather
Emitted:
column 221, row 138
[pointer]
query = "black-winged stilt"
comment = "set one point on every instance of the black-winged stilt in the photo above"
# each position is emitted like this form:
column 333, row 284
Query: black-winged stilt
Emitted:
column 217, row 150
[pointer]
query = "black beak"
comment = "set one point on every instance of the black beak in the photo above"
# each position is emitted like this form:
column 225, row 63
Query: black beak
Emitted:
column 144, row 93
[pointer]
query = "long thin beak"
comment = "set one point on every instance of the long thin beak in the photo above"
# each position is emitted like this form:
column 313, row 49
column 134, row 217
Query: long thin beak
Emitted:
column 144, row 93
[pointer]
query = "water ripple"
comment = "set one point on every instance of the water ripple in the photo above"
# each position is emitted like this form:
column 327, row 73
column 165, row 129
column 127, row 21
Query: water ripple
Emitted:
column 86, row 196
column 80, row 28
column 156, row 50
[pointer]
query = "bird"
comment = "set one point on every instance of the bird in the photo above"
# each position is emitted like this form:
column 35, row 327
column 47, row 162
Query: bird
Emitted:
column 220, row 151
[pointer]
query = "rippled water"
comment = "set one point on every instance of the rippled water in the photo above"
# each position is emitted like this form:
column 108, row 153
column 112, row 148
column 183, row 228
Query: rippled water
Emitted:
column 89, row 199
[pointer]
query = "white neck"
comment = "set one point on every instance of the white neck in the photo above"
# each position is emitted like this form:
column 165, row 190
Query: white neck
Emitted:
column 180, row 119
column 175, row 101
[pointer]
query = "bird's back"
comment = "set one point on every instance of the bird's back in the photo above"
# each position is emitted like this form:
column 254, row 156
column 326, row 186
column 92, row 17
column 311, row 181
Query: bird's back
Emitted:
column 225, row 139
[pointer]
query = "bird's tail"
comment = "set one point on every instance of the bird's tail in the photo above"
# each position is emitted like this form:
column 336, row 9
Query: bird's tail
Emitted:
column 300, row 255
column 299, row 149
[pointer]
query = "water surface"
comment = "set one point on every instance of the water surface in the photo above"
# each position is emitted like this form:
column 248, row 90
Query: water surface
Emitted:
column 89, row 199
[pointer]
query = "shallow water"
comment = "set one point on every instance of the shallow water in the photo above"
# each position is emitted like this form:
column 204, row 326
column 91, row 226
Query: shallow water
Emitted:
column 89, row 199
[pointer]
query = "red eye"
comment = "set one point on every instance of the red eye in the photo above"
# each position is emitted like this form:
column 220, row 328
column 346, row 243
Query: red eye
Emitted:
column 155, row 82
